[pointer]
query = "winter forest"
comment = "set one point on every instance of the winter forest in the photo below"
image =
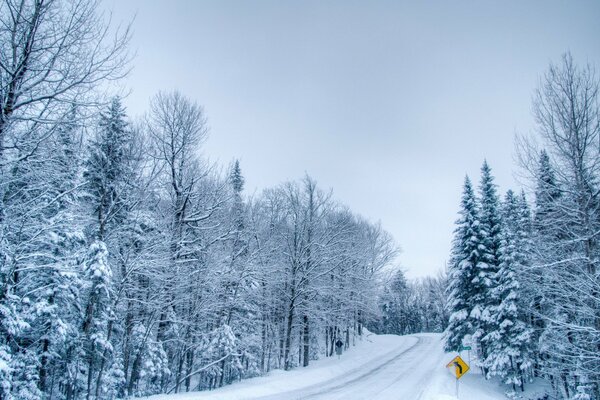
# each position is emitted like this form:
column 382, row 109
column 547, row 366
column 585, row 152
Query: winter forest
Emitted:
column 523, row 275
column 132, row 265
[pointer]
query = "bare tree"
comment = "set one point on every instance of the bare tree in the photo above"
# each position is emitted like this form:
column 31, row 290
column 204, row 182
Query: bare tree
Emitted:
column 192, row 200
column 567, row 113
column 53, row 54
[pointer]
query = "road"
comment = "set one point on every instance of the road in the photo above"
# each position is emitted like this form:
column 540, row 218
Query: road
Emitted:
column 401, row 374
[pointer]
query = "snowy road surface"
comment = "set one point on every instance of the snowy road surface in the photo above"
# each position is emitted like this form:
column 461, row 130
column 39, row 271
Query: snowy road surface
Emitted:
column 400, row 374
column 379, row 367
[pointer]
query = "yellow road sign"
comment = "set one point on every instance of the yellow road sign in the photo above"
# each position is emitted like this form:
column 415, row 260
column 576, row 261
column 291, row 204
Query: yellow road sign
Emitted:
column 460, row 367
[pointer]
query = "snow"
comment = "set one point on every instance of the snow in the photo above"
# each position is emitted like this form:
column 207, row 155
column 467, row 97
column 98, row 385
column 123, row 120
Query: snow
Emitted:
column 372, row 369
column 369, row 351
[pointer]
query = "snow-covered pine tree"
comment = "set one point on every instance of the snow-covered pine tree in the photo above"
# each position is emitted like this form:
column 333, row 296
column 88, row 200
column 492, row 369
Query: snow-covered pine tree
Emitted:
column 525, row 240
column 39, row 290
column 98, row 292
column 234, row 277
column 107, row 169
column 109, row 178
column 509, row 338
column 545, row 231
column 57, row 319
column 465, row 262
column 547, row 194
column 484, row 279
column 394, row 307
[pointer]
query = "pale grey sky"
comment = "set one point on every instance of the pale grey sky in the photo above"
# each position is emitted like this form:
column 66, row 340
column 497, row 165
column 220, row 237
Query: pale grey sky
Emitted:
column 390, row 103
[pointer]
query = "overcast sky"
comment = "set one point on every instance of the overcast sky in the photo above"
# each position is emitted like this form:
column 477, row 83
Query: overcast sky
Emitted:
column 390, row 103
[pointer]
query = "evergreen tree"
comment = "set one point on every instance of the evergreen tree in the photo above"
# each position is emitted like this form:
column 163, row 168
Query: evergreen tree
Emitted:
column 107, row 168
column 395, row 310
column 466, row 261
column 509, row 339
column 484, row 280
column 98, row 312
column 544, row 233
column 547, row 194
column 109, row 178
column 38, row 296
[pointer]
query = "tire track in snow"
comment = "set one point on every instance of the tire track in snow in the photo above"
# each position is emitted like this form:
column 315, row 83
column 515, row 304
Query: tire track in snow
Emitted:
column 333, row 385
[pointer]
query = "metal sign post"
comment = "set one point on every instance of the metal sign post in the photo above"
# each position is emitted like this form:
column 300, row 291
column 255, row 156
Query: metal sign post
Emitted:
column 457, row 388
column 460, row 368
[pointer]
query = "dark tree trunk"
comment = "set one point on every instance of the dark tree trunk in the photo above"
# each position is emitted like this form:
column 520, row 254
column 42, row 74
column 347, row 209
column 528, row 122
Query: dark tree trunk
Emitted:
column 306, row 337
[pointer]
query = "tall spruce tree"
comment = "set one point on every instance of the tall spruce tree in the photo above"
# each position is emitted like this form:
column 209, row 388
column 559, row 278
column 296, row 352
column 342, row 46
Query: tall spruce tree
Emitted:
column 509, row 338
column 107, row 168
column 484, row 280
column 544, row 232
column 109, row 176
column 465, row 262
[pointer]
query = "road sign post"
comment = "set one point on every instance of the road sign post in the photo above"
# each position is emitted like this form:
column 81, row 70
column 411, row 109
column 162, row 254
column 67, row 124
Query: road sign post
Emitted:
column 457, row 389
column 460, row 368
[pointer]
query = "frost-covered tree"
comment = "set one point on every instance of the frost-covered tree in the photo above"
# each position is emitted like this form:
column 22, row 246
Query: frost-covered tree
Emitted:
column 42, row 238
column 467, row 260
column 412, row 306
column 108, row 169
column 484, row 280
column 395, row 306
column 98, row 293
column 566, row 248
column 52, row 56
column 509, row 337
column 544, row 233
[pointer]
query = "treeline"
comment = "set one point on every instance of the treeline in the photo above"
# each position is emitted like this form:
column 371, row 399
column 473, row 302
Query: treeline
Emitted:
column 129, row 265
column 524, row 282
column 407, row 307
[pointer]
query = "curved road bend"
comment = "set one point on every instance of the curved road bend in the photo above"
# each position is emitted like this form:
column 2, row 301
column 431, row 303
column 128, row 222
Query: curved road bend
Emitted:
column 401, row 375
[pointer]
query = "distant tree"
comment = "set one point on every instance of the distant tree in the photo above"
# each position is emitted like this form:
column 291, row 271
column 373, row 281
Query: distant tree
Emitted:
column 395, row 305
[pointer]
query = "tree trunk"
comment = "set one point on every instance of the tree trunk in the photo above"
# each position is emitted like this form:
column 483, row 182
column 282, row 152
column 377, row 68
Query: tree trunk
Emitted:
column 135, row 373
column 326, row 341
column 222, row 373
column 90, row 371
column 105, row 356
column 45, row 358
column 263, row 340
column 288, row 336
column 190, row 365
column 306, row 337
column 44, row 365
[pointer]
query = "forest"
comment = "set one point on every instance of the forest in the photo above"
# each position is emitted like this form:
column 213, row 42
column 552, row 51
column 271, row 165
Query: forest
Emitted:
column 132, row 265
column 129, row 264
column 523, row 279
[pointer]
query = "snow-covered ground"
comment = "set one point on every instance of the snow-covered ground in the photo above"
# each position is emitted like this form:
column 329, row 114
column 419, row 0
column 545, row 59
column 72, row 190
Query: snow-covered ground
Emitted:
column 380, row 367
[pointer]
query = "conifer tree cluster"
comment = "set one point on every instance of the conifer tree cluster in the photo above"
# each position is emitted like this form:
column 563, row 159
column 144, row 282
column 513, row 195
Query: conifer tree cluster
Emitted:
column 411, row 306
column 487, row 258
column 524, row 284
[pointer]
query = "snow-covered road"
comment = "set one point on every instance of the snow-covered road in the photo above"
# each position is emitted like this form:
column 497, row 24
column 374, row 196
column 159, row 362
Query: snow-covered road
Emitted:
column 402, row 373
column 379, row 367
